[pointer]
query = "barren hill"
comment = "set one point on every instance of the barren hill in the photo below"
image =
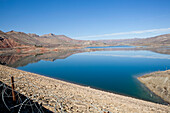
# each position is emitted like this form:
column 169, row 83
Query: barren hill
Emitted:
column 13, row 39
column 161, row 40
column 7, row 41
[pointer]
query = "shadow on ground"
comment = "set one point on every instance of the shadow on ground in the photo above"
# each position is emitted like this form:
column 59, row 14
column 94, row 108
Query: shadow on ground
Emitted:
column 22, row 104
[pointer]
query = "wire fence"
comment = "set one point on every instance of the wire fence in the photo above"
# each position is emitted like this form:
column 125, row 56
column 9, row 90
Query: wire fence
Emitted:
column 38, row 99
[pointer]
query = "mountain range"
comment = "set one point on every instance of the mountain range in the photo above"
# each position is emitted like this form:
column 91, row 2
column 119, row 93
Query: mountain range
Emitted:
column 13, row 39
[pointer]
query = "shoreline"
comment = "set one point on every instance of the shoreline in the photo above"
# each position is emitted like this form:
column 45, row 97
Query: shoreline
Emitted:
column 78, row 98
column 161, row 88
column 163, row 102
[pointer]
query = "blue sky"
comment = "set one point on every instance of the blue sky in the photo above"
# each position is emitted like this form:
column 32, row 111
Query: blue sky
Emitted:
column 87, row 19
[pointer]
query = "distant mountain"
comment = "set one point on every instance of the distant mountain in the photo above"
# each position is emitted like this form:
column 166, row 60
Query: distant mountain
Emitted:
column 23, row 38
column 6, row 41
column 161, row 40
column 13, row 39
column 52, row 40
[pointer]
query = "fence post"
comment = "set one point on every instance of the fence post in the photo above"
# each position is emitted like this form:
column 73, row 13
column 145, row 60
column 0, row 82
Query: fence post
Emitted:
column 13, row 93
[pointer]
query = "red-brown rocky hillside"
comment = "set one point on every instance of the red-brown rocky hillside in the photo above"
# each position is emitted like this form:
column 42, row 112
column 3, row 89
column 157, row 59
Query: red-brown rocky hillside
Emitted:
column 7, row 41
column 13, row 39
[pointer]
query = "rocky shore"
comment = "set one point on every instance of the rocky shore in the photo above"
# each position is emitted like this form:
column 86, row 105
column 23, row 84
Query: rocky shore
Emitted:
column 159, row 83
column 57, row 95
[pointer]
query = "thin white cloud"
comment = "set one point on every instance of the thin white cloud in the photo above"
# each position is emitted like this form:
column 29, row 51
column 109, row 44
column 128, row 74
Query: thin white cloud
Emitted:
column 127, row 33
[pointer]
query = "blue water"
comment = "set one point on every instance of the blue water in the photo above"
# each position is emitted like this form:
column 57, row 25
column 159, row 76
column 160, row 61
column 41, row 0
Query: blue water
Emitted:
column 114, row 71
column 123, row 46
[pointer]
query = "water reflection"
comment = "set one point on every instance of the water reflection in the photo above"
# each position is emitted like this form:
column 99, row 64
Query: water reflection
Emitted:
column 110, row 69
column 22, row 59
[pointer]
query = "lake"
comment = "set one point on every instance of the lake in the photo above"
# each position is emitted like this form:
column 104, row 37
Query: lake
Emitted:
column 123, row 46
column 113, row 71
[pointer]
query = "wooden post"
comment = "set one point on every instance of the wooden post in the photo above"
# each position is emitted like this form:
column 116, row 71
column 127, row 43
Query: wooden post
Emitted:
column 13, row 93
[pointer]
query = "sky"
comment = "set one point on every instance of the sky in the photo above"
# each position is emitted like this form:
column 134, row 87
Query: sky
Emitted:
column 87, row 19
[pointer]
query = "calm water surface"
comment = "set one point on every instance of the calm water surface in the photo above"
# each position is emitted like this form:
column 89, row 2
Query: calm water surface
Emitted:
column 114, row 71
column 125, row 46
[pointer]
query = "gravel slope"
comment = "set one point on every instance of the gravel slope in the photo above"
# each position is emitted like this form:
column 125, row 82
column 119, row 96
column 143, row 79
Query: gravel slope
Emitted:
column 159, row 83
column 74, row 98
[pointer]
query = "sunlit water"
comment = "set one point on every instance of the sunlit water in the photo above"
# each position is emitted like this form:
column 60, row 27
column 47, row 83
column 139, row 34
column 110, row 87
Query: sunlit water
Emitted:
column 125, row 46
column 113, row 71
